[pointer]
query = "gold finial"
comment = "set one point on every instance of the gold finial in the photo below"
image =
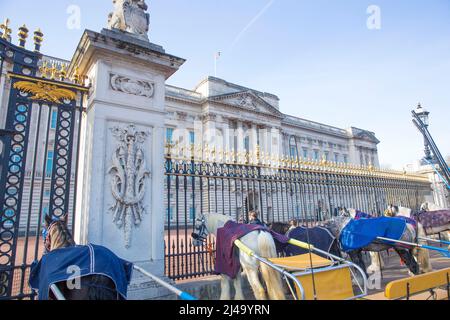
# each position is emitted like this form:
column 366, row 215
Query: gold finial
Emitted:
column 53, row 71
column 6, row 34
column 258, row 153
column 76, row 76
column 44, row 69
column 23, row 35
column 38, row 39
column 63, row 72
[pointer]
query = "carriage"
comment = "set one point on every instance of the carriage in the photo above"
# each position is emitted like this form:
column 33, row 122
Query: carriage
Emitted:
column 317, row 275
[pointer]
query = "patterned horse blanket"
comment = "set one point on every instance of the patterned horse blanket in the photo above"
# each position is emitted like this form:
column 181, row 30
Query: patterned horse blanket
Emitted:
column 358, row 234
column 318, row 237
column 227, row 255
column 434, row 220
column 57, row 266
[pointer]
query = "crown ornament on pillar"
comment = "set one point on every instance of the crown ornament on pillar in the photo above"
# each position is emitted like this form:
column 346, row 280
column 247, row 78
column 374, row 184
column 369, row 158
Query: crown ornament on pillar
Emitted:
column 130, row 16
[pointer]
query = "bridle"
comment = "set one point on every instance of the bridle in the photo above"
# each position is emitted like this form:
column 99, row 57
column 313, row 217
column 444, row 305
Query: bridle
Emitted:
column 46, row 234
column 201, row 231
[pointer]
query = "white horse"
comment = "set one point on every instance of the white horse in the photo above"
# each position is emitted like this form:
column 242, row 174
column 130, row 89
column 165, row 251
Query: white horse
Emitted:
column 262, row 243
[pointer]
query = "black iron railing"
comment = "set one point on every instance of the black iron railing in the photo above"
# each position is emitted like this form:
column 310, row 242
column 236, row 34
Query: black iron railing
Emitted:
column 286, row 189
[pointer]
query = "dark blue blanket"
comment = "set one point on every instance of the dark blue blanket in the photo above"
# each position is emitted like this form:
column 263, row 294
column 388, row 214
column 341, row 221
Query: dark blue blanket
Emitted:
column 358, row 234
column 318, row 237
column 227, row 257
column 90, row 259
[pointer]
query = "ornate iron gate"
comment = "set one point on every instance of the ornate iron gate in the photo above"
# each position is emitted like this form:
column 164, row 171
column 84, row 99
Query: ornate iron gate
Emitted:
column 39, row 155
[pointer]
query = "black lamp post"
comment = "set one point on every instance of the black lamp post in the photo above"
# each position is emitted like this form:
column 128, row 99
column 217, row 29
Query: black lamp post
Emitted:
column 424, row 116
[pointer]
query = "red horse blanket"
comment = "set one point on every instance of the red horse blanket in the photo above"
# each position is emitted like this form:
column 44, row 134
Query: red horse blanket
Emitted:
column 227, row 255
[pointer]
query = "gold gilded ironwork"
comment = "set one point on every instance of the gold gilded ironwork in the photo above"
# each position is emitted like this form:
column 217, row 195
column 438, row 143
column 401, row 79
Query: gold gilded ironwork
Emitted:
column 6, row 34
column 23, row 35
column 45, row 92
column 38, row 39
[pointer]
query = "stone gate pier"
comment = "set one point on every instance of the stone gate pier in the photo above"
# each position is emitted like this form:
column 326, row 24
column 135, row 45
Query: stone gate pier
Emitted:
column 121, row 172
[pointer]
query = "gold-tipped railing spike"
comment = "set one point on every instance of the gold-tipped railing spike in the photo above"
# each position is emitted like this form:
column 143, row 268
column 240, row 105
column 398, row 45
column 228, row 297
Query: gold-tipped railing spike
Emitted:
column 76, row 78
column 23, row 35
column 44, row 69
column 53, row 71
column 38, row 39
column 63, row 72
column 6, row 30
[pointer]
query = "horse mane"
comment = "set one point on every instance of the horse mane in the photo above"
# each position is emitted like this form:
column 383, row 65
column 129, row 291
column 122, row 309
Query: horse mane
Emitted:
column 215, row 221
column 61, row 237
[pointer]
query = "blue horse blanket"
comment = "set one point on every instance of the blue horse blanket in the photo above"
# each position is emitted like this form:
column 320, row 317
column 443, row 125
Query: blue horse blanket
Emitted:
column 57, row 266
column 358, row 234
column 362, row 215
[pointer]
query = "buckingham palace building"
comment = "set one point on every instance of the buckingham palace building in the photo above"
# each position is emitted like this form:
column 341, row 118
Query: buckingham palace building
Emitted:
column 234, row 119
column 217, row 122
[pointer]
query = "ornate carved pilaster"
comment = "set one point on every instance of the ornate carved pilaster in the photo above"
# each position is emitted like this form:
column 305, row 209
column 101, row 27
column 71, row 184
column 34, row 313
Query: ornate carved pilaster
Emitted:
column 128, row 173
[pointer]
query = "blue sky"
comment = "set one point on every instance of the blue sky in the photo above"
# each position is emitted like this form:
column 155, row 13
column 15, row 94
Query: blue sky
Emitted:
column 318, row 56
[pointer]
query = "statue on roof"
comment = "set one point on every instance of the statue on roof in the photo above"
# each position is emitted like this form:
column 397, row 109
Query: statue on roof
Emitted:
column 130, row 16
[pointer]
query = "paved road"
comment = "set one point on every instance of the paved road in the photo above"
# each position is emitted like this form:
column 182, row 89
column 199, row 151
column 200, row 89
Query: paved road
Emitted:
column 393, row 270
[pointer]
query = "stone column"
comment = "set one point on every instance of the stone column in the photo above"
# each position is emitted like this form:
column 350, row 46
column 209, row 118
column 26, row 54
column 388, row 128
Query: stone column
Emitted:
column 253, row 143
column 226, row 138
column 240, row 141
column 124, row 125
column 209, row 138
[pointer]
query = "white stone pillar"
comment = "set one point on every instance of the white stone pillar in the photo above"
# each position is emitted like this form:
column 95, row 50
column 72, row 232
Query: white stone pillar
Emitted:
column 253, row 143
column 240, row 142
column 124, row 124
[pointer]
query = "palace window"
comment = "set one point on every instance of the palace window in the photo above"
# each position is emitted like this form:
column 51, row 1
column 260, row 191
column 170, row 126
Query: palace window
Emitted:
column 191, row 137
column 169, row 215
column 316, row 155
column 327, row 156
column 192, row 213
column 45, row 211
column 54, row 119
column 247, row 144
column 336, row 157
column 345, row 159
column 293, row 152
column 49, row 163
column 169, row 135
column 305, row 153
column 293, row 147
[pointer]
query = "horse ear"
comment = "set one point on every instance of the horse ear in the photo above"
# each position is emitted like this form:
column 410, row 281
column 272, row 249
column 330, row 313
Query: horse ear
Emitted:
column 48, row 220
column 65, row 218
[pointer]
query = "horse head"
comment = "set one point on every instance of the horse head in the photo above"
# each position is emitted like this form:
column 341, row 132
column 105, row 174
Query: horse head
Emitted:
column 391, row 211
column 336, row 224
column 280, row 227
column 200, row 234
column 56, row 233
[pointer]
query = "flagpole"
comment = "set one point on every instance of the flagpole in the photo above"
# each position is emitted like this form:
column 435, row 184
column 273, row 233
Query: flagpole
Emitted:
column 216, row 57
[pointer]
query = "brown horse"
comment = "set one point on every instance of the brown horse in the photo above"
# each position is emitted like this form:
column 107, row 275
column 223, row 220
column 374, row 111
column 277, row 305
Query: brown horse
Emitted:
column 93, row 287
